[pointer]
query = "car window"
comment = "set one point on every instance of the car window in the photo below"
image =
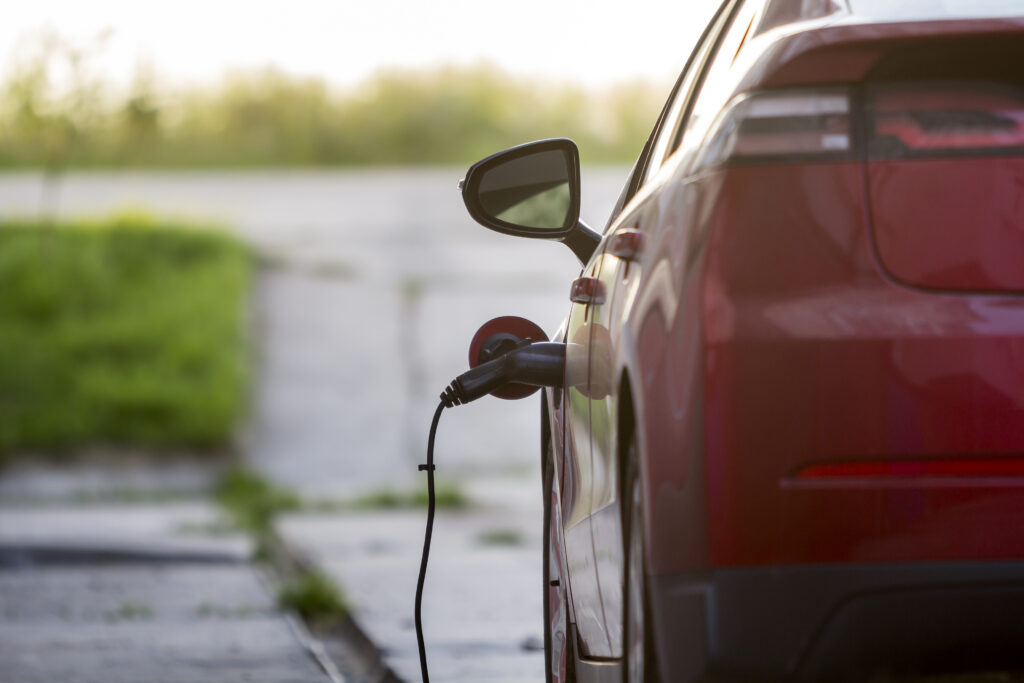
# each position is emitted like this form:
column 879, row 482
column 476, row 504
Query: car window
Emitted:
column 679, row 95
column 887, row 10
column 718, row 83
column 665, row 140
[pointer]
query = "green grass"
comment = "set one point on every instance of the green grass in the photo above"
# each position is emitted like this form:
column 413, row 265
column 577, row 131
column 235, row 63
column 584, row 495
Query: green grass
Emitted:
column 130, row 611
column 253, row 502
column 315, row 597
column 126, row 331
column 209, row 610
column 447, row 495
column 500, row 537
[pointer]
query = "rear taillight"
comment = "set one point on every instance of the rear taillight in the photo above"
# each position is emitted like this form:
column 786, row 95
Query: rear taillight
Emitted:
column 945, row 119
column 781, row 126
column 945, row 168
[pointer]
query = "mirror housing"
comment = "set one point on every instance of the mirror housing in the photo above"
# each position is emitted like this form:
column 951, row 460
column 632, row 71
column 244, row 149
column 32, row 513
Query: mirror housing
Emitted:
column 531, row 190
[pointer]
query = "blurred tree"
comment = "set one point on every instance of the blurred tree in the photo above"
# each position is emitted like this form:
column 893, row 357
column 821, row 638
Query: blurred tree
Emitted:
column 140, row 114
column 55, row 111
column 56, row 97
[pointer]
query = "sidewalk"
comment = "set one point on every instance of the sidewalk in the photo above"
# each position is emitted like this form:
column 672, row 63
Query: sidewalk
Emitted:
column 129, row 592
column 375, row 281
column 342, row 410
column 482, row 606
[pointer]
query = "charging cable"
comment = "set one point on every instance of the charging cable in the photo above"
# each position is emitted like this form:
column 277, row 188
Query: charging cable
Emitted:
column 542, row 365
column 429, row 468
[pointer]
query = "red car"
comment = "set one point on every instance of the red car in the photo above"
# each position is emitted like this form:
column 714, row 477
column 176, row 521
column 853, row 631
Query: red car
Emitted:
column 790, row 438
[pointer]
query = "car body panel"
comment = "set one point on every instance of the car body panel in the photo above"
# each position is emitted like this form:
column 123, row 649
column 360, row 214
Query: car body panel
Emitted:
column 844, row 49
column 604, row 510
column 813, row 355
column 577, row 484
column 950, row 224
column 757, row 344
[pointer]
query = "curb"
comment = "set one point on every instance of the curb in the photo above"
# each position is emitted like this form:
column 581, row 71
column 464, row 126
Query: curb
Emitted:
column 344, row 641
column 26, row 555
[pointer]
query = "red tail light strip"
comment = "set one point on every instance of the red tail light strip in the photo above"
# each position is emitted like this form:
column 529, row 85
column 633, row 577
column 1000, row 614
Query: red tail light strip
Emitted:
column 946, row 118
column 907, row 120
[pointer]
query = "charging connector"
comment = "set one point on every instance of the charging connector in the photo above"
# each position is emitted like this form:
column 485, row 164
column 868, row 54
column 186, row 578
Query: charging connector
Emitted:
column 540, row 365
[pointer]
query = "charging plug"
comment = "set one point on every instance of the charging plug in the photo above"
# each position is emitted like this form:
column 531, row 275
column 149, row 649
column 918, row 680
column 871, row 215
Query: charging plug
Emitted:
column 541, row 365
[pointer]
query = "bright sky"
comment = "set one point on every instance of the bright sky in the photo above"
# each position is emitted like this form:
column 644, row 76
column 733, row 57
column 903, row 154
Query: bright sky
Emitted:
column 591, row 42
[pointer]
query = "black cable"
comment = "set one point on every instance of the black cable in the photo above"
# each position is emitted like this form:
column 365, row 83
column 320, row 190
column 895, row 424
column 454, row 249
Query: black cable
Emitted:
column 536, row 364
column 429, row 468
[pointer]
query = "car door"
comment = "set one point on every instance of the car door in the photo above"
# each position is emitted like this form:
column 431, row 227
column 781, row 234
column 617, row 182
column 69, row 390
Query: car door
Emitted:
column 577, row 477
column 577, row 483
column 625, row 255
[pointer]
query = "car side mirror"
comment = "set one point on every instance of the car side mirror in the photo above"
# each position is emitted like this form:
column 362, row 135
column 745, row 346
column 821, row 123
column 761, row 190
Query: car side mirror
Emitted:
column 531, row 190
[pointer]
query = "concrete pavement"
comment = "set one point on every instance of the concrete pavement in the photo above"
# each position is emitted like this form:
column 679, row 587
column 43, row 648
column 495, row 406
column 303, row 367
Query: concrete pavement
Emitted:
column 165, row 622
column 126, row 593
column 482, row 607
column 374, row 282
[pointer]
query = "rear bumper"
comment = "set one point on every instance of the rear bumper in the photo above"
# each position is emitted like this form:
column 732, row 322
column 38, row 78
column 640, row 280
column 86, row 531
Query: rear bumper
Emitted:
column 827, row 622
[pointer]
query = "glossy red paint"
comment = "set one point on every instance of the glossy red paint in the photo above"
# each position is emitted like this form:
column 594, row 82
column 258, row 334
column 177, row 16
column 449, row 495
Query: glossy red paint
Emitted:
column 910, row 472
column 813, row 354
column 810, row 321
column 951, row 224
column 825, row 50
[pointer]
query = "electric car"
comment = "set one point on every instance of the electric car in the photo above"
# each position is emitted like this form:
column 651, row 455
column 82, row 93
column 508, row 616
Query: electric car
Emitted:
column 789, row 442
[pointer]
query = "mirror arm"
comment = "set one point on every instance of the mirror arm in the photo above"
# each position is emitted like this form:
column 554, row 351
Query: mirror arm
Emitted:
column 583, row 240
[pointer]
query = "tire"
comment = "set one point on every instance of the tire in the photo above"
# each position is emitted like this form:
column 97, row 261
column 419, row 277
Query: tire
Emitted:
column 640, row 664
column 558, row 659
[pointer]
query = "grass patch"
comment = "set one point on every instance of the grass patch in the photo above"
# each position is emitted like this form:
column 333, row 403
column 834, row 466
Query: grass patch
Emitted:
column 209, row 610
column 218, row 529
column 253, row 502
column 315, row 597
column 504, row 537
column 130, row 611
column 447, row 495
column 121, row 332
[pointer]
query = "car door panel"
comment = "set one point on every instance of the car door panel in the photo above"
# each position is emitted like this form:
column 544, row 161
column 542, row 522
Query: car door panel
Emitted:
column 603, row 396
column 576, row 484
column 643, row 282
column 620, row 277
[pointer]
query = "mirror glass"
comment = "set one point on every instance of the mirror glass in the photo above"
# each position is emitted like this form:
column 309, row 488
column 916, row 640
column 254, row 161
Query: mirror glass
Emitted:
column 531, row 191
